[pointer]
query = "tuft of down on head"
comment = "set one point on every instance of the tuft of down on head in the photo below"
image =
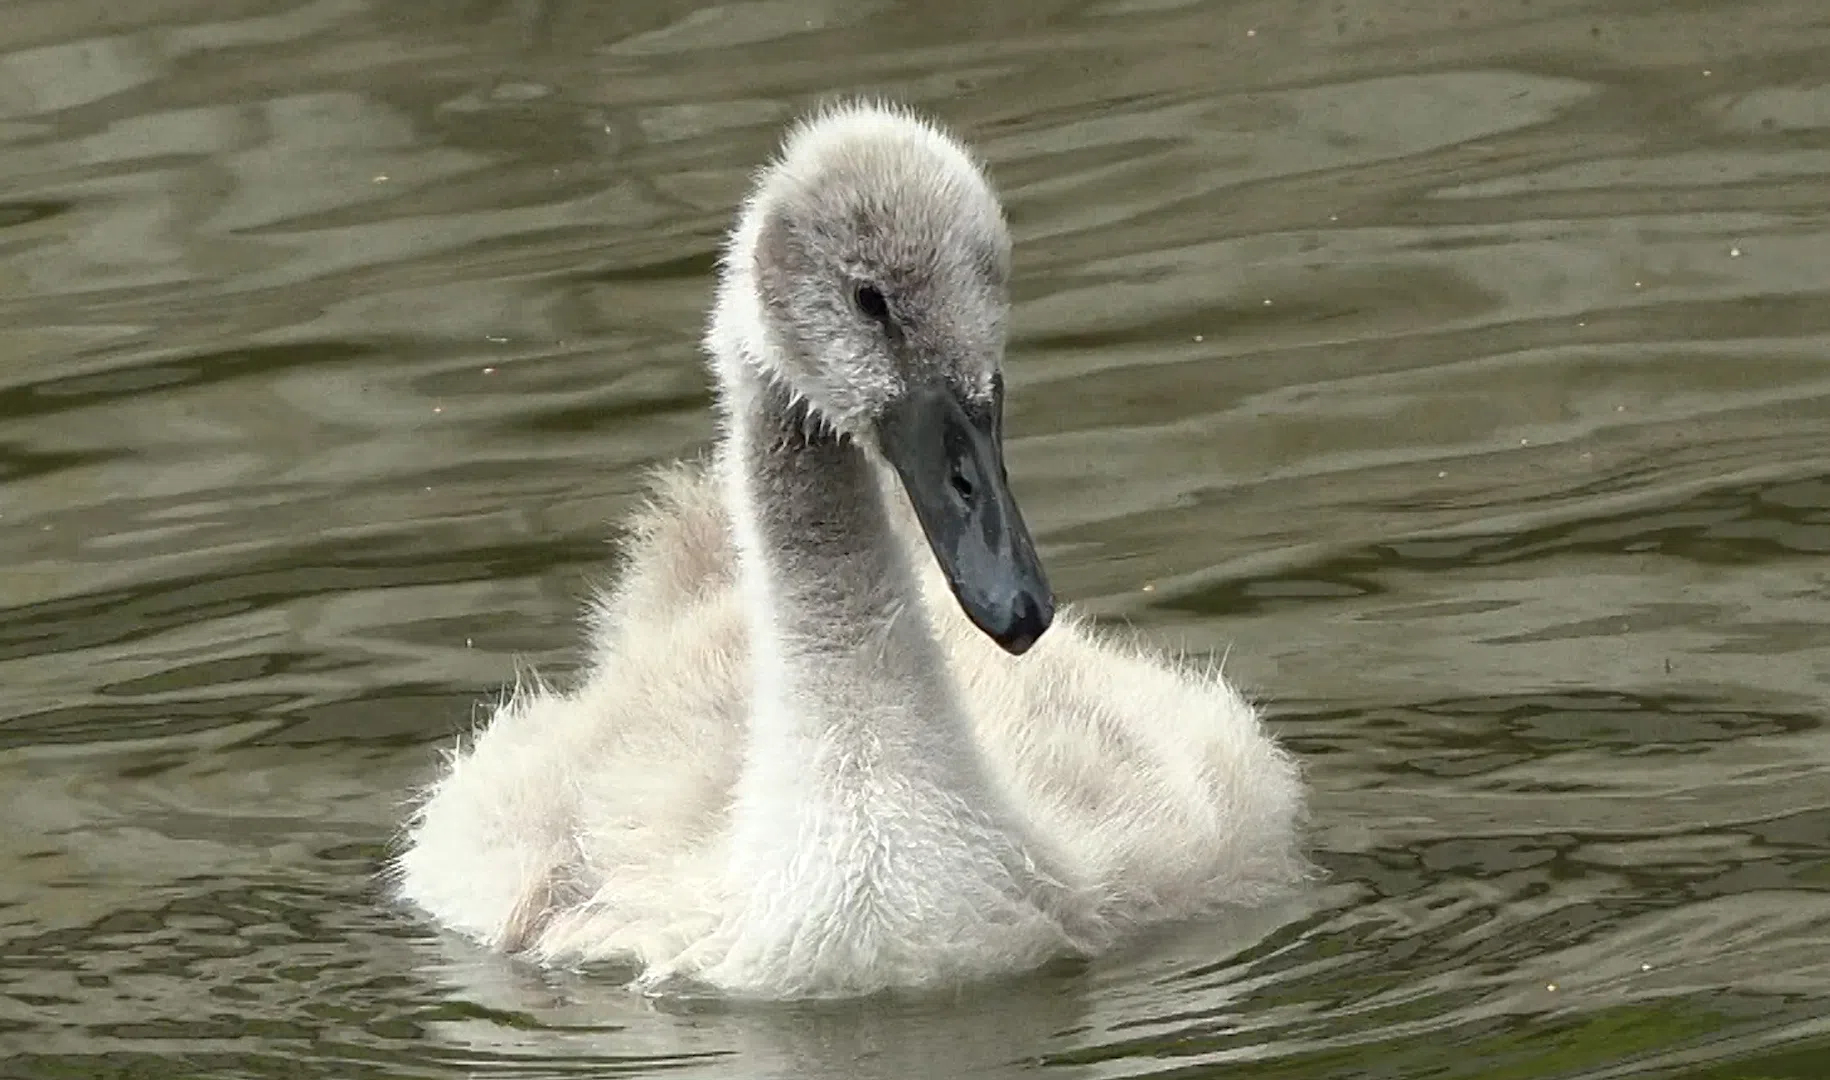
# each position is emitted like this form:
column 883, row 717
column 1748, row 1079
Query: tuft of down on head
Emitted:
column 871, row 258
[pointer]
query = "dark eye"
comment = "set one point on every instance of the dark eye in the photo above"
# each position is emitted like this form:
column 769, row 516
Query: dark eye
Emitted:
column 870, row 301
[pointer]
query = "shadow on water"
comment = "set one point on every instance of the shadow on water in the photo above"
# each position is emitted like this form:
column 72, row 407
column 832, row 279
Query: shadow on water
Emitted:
column 1456, row 374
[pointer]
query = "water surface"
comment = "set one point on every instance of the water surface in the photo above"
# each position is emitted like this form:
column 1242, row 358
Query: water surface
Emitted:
column 1462, row 373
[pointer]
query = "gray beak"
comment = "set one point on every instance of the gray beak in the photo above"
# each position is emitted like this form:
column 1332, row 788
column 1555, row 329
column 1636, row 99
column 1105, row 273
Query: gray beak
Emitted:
column 953, row 470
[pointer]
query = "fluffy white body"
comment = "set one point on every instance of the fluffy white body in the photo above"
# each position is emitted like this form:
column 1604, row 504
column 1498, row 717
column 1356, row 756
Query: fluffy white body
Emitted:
column 795, row 766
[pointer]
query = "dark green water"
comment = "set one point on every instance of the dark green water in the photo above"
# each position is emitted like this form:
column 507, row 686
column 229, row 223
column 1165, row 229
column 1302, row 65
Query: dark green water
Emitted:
column 1464, row 370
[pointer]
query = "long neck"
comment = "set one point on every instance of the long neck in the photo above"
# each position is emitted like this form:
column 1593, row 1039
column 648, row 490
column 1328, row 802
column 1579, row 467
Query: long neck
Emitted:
column 848, row 678
column 868, row 842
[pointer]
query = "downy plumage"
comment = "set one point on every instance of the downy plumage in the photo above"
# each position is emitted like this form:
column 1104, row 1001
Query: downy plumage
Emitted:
column 816, row 753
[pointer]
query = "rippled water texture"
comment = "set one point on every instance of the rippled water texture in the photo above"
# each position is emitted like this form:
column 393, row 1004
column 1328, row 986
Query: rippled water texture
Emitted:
column 1464, row 370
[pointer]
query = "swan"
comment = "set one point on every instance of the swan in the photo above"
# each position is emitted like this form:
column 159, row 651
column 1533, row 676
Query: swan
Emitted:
column 834, row 738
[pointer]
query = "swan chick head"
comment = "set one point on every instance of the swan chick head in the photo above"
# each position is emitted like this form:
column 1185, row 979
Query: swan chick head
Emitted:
column 868, row 276
column 877, row 256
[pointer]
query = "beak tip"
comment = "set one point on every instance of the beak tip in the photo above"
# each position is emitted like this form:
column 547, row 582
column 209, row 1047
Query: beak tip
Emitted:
column 1030, row 617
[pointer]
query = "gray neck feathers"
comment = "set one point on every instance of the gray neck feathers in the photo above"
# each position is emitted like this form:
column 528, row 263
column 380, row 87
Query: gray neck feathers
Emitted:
column 846, row 665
